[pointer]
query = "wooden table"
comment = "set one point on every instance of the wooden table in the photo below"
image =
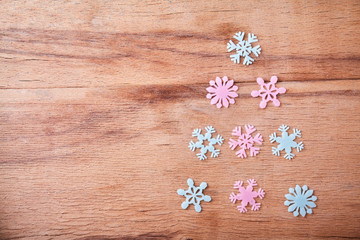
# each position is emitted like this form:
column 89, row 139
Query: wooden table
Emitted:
column 98, row 100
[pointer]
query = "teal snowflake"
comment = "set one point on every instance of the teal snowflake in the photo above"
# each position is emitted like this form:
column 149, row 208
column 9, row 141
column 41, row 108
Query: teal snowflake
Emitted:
column 194, row 195
column 286, row 142
column 205, row 138
column 302, row 201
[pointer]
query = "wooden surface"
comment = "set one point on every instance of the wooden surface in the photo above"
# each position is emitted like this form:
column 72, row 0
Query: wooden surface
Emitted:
column 98, row 100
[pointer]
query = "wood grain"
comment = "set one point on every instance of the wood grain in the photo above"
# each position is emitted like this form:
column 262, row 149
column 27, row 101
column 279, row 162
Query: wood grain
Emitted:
column 98, row 100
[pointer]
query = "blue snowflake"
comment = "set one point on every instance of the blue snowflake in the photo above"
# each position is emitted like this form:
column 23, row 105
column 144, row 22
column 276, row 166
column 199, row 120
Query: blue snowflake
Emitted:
column 200, row 143
column 303, row 201
column 286, row 142
column 194, row 195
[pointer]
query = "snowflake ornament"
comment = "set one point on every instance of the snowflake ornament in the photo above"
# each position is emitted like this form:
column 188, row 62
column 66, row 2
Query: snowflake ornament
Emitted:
column 245, row 141
column 194, row 195
column 222, row 92
column 247, row 195
column 300, row 200
column 200, row 143
column 243, row 48
column 286, row 142
column 268, row 92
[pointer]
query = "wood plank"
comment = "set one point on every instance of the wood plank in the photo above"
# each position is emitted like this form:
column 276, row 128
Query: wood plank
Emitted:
column 98, row 100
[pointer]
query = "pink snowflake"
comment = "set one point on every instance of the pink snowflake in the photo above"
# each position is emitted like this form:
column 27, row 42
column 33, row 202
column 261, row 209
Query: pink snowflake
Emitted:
column 247, row 195
column 268, row 92
column 245, row 141
column 222, row 92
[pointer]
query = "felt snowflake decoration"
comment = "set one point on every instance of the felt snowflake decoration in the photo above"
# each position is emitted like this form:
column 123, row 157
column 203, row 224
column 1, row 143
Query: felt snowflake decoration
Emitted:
column 222, row 92
column 286, row 142
column 302, row 201
column 245, row 141
column 243, row 48
column 205, row 138
column 247, row 195
column 268, row 92
column 194, row 195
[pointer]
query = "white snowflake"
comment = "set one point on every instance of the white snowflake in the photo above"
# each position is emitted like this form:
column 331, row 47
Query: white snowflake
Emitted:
column 200, row 143
column 243, row 48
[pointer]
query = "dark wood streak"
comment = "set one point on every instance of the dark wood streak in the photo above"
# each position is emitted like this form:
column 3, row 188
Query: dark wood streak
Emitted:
column 154, row 94
column 105, row 40
column 54, row 55
column 322, row 93
column 78, row 35
column 146, row 236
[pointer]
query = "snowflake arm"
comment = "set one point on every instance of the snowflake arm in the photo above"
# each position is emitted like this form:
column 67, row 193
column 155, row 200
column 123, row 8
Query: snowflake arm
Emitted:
column 258, row 139
column 248, row 60
column 237, row 131
column 300, row 146
column 231, row 46
column 219, row 140
column 241, row 153
column 254, row 151
column 239, row 36
column 196, row 132
column 256, row 50
column 233, row 144
column 275, row 151
column 242, row 207
column 289, row 156
column 252, row 38
column 283, row 128
column 215, row 153
column 238, row 184
column 235, row 57
column 201, row 156
column 261, row 193
column 250, row 129
column 192, row 146
column 252, row 183
column 273, row 137
column 255, row 206
column 297, row 132
column 210, row 129
column 233, row 197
